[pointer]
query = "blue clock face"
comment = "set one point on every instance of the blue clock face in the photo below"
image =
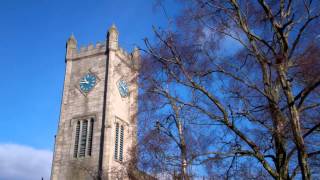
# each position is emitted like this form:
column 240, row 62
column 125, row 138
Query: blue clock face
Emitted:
column 123, row 88
column 87, row 82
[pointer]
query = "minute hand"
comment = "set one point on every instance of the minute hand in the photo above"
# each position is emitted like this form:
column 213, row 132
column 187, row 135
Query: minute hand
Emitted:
column 84, row 82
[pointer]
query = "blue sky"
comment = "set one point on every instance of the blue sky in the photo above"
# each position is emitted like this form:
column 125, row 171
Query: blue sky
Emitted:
column 32, row 49
column 33, row 34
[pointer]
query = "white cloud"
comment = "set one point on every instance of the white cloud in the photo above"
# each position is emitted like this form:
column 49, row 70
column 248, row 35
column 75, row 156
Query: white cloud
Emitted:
column 19, row 162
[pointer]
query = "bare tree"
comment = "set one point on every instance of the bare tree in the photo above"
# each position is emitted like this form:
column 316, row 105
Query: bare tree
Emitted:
column 128, row 170
column 247, row 70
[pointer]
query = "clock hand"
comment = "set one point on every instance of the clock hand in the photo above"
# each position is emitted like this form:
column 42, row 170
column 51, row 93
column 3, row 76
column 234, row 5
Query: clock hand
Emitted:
column 83, row 82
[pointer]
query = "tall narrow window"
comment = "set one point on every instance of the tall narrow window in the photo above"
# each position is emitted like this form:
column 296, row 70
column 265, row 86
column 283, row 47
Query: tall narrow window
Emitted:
column 83, row 141
column 83, row 138
column 116, row 142
column 90, row 137
column 76, row 143
column 121, row 144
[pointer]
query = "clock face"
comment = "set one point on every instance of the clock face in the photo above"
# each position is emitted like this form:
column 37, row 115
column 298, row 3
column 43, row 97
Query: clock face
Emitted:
column 87, row 82
column 123, row 88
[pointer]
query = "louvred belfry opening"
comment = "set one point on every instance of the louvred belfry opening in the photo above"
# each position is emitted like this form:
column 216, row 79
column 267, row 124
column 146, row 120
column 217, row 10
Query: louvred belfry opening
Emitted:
column 83, row 138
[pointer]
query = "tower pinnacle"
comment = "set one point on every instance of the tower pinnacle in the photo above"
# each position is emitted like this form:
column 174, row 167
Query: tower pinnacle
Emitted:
column 112, row 38
column 136, row 58
column 136, row 53
column 71, row 46
column 72, row 40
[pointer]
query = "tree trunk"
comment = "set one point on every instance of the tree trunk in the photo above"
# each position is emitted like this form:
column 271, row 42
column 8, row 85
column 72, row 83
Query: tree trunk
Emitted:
column 295, row 124
column 182, row 145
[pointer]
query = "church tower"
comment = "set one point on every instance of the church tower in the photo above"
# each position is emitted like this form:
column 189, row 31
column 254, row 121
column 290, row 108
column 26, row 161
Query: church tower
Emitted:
column 97, row 127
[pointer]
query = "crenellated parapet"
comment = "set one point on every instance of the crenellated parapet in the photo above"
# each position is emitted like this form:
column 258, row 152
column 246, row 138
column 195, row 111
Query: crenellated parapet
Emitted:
column 133, row 58
column 122, row 53
column 99, row 48
column 89, row 50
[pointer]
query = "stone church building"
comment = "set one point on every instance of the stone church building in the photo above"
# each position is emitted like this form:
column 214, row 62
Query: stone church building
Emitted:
column 97, row 127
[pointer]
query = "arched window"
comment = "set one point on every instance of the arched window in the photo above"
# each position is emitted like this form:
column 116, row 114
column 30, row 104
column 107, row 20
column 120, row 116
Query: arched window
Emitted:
column 116, row 142
column 121, row 144
column 83, row 138
column 90, row 137
column 118, row 145
column 76, row 143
